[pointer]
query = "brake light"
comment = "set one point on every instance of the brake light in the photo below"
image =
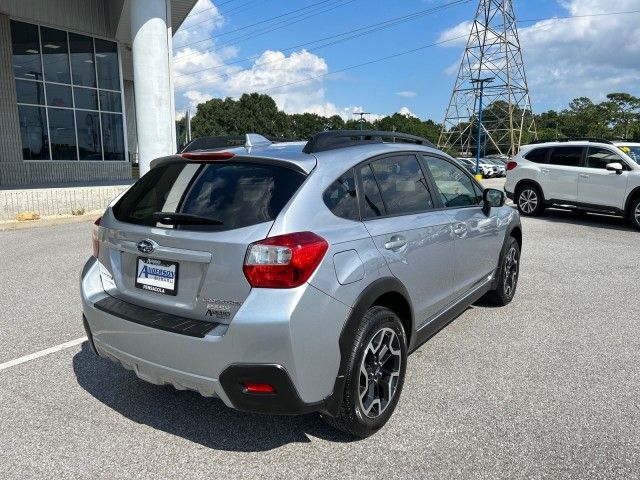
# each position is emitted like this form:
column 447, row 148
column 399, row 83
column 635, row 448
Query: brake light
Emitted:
column 285, row 261
column 258, row 387
column 208, row 156
column 95, row 237
column 511, row 165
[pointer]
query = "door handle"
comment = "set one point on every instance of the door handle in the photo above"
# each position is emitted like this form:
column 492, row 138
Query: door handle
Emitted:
column 584, row 175
column 460, row 229
column 395, row 243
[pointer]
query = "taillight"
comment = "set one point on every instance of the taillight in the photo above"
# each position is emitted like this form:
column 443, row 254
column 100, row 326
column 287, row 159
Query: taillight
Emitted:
column 285, row 261
column 251, row 387
column 204, row 156
column 95, row 238
column 511, row 165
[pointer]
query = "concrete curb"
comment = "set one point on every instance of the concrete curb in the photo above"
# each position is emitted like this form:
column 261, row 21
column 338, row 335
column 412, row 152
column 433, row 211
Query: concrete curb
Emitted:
column 49, row 221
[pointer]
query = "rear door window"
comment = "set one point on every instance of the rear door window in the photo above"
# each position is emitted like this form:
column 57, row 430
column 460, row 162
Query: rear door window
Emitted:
column 235, row 194
column 566, row 156
column 402, row 184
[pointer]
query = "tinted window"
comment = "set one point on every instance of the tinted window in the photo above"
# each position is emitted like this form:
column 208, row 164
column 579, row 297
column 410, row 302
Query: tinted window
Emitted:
column 89, row 143
column 455, row 187
column 33, row 130
column 86, row 98
column 55, row 55
column 82, row 65
column 402, row 185
column 58, row 95
column 26, row 51
column 341, row 197
column 600, row 157
column 537, row 155
column 566, row 156
column 372, row 205
column 112, row 136
column 30, row 92
column 107, row 64
column 63, row 134
column 238, row 195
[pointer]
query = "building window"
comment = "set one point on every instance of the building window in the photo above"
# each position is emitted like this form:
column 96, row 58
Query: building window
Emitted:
column 69, row 95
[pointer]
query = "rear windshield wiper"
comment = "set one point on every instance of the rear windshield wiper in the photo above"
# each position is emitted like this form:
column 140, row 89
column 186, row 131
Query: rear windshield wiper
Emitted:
column 174, row 218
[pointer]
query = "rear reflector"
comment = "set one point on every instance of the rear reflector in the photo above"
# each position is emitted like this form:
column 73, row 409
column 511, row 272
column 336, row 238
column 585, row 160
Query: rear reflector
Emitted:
column 95, row 237
column 205, row 156
column 511, row 165
column 285, row 261
column 258, row 387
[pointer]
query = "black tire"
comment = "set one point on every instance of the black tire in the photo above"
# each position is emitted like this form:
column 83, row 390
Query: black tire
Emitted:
column 634, row 212
column 352, row 417
column 529, row 200
column 507, row 281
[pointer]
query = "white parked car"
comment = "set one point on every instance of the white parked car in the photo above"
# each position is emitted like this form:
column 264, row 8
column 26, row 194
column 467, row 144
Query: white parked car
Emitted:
column 486, row 170
column 589, row 175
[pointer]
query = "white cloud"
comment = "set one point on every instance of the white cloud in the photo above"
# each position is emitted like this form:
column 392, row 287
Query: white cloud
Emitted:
column 406, row 112
column 203, row 70
column 406, row 94
column 583, row 56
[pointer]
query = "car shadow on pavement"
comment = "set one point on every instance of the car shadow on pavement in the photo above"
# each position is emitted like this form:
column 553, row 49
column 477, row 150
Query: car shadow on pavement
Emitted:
column 596, row 220
column 206, row 421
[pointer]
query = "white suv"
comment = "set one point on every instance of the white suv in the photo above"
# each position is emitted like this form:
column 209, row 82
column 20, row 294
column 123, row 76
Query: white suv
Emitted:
column 590, row 175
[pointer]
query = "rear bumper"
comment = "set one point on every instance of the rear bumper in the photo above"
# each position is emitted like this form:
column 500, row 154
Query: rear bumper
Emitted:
column 282, row 335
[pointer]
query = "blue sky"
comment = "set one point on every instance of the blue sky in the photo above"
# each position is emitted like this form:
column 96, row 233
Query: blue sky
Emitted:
column 589, row 54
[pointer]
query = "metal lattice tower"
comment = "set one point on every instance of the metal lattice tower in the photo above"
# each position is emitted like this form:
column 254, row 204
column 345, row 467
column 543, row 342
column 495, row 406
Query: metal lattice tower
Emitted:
column 493, row 50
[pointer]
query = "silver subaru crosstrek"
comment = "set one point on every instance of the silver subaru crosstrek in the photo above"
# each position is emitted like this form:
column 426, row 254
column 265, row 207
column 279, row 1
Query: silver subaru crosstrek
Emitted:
column 289, row 278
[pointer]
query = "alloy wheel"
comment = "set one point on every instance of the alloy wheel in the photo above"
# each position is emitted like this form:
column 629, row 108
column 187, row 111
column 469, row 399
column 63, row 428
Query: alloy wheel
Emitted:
column 510, row 272
column 528, row 201
column 637, row 214
column 379, row 372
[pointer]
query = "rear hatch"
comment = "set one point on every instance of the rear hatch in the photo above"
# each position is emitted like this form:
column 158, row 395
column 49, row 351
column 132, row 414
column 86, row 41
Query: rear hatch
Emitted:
column 177, row 239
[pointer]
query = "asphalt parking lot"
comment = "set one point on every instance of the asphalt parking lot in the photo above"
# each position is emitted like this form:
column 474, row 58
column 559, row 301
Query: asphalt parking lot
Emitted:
column 547, row 387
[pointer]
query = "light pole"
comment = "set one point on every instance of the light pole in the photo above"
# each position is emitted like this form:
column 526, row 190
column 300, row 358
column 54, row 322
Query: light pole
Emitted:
column 480, row 81
column 362, row 114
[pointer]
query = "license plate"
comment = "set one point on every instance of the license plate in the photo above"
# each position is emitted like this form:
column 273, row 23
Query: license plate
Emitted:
column 157, row 275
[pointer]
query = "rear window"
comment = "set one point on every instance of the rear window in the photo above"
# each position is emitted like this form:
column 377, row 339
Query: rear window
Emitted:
column 234, row 194
column 537, row 155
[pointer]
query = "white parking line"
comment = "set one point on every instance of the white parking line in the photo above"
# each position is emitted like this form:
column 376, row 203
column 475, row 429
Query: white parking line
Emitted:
column 41, row 353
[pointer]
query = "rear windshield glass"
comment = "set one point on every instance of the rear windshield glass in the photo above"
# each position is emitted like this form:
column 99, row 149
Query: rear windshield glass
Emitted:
column 537, row 155
column 231, row 195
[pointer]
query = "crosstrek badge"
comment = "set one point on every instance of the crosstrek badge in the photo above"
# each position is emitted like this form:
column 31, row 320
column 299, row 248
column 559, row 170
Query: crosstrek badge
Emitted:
column 157, row 275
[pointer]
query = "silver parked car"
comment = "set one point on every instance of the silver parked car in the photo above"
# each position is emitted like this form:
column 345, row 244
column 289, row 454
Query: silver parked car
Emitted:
column 295, row 277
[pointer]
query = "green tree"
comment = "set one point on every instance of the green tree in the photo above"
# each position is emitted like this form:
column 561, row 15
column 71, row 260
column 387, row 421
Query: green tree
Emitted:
column 624, row 113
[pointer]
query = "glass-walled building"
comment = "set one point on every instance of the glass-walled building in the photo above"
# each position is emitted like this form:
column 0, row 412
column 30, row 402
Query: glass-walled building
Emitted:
column 69, row 95
column 67, row 89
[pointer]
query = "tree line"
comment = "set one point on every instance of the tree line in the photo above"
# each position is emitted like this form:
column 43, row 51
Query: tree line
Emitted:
column 617, row 117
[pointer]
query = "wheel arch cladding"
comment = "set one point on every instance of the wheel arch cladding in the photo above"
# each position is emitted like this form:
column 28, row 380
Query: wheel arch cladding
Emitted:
column 388, row 292
column 635, row 193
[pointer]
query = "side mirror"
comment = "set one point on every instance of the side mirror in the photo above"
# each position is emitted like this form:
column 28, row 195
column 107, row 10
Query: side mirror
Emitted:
column 615, row 167
column 492, row 197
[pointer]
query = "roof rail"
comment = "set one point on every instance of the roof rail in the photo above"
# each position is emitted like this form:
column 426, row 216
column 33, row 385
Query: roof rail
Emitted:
column 575, row 139
column 333, row 139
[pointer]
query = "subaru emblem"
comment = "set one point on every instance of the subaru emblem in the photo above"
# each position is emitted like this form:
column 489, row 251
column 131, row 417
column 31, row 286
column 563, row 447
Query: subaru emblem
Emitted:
column 146, row 246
